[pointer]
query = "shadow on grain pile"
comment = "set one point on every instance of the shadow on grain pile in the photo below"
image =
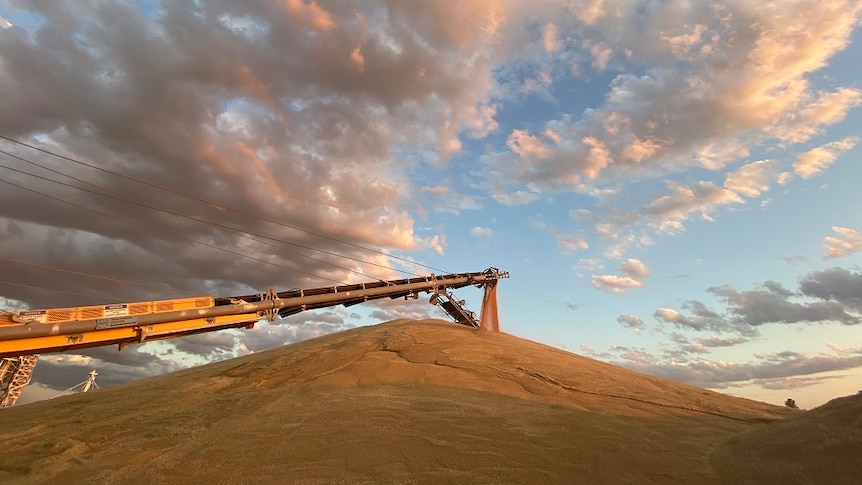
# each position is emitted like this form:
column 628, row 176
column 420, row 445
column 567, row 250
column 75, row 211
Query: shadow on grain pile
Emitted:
column 400, row 402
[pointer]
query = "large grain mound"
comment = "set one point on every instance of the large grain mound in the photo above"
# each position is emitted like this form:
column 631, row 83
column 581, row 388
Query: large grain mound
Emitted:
column 401, row 402
column 823, row 445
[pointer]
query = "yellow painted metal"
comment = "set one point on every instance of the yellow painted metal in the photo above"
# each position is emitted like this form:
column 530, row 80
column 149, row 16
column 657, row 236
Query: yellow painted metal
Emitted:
column 62, row 315
column 124, row 335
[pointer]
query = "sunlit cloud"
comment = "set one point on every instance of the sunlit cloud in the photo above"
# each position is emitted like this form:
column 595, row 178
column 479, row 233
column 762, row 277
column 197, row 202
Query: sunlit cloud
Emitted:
column 848, row 241
column 814, row 161
column 634, row 273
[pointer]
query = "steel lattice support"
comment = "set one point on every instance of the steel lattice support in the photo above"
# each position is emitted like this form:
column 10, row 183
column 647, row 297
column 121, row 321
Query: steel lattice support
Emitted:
column 15, row 373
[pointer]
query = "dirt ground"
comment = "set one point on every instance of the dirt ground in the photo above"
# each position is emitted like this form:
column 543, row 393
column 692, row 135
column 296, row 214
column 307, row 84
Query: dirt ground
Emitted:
column 418, row 402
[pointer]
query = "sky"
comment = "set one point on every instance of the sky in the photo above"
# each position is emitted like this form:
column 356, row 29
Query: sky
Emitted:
column 674, row 187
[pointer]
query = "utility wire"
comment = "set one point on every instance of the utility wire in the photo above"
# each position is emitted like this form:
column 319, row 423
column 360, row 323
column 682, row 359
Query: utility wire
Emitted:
column 218, row 206
column 241, row 233
column 90, row 275
column 53, row 290
column 178, row 237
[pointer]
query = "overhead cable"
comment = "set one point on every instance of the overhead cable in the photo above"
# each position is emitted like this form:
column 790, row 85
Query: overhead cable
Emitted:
column 175, row 236
column 239, row 232
column 219, row 206
column 102, row 277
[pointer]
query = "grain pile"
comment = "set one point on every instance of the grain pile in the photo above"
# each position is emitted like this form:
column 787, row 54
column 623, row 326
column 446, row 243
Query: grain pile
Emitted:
column 400, row 402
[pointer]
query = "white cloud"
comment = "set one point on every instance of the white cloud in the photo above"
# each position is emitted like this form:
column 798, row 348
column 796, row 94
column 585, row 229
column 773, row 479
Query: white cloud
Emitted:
column 4, row 24
column 588, row 265
column 848, row 241
column 687, row 95
column 635, row 272
column 669, row 211
column 615, row 284
column 482, row 232
column 437, row 243
column 752, row 179
column 817, row 159
column 634, row 268
column 569, row 243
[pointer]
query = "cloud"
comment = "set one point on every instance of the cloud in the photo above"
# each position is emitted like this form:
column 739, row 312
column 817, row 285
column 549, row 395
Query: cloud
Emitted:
column 837, row 293
column 770, row 304
column 630, row 321
column 669, row 211
column 4, row 24
column 836, row 285
column 814, row 161
column 570, row 243
column 752, row 179
column 482, row 232
column 310, row 14
column 114, row 367
column 587, row 11
column 848, row 242
column 442, row 199
column 791, row 382
column 635, row 272
column 685, row 39
column 780, row 370
column 615, row 284
column 635, row 268
column 795, row 259
column 295, row 328
column 206, row 100
column 550, row 38
column 528, row 147
column 572, row 306
column 207, row 345
column 37, row 392
column 694, row 87
column 701, row 319
column 720, row 342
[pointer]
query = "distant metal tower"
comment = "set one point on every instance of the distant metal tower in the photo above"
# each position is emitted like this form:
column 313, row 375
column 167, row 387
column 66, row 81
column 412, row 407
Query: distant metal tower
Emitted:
column 85, row 386
column 15, row 373
column 88, row 384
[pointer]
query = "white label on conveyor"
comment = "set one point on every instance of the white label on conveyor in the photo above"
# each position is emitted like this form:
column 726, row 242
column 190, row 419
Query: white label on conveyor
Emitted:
column 40, row 316
column 118, row 310
column 103, row 323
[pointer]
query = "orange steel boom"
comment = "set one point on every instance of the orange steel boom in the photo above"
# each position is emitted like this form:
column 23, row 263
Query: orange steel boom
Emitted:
column 56, row 330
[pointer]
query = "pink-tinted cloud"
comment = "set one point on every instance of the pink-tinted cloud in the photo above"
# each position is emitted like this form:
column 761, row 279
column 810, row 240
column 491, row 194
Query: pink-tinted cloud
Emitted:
column 814, row 161
column 634, row 271
column 848, row 241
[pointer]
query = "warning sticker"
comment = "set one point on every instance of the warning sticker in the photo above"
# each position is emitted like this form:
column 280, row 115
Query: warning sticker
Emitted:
column 40, row 316
column 103, row 323
column 117, row 310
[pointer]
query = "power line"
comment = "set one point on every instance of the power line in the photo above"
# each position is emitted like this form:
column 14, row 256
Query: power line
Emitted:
column 178, row 237
column 90, row 275
column 54, row 290
column 241, row 233
column 218, row 206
